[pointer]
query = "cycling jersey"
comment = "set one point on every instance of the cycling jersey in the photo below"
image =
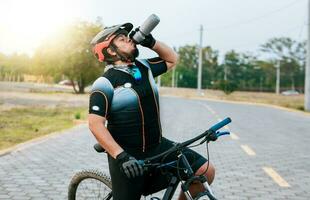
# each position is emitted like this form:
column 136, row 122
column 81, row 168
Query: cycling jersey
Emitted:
column 130, row 106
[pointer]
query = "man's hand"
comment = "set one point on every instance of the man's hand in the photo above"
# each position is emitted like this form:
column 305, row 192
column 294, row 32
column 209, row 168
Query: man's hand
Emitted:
column 148, row 42
column 129, row 165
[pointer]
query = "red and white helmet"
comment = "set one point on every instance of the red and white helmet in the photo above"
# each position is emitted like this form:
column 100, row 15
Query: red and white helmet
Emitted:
column 104, row 38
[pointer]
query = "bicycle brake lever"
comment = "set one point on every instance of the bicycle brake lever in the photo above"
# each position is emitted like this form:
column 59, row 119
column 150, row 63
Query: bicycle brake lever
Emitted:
column 213, row 137
column 220, row 133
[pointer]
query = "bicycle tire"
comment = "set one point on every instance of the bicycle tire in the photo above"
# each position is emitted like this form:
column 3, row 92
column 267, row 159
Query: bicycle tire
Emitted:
column 90, row 175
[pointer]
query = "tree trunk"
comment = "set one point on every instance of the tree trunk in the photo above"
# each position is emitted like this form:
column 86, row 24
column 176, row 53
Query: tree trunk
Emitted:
column 81, row 89
column 81, row 85
column 73, row 85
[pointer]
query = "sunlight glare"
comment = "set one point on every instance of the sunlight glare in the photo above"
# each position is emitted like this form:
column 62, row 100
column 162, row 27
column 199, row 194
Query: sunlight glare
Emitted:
column 24, row 24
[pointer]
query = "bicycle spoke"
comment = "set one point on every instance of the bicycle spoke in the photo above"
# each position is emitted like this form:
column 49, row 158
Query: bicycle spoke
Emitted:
column 92, row 189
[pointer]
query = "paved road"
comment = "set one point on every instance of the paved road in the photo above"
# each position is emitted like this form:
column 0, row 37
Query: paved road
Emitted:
column 264, row 140
column 21, row 94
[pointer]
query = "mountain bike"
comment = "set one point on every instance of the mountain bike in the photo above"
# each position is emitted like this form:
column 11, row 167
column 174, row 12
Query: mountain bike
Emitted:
column 94, row 184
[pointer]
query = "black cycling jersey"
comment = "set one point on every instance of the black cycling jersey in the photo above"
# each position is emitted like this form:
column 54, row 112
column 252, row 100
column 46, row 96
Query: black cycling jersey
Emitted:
column 130, row 106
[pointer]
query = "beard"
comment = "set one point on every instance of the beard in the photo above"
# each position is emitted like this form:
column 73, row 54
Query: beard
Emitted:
column 132, row 55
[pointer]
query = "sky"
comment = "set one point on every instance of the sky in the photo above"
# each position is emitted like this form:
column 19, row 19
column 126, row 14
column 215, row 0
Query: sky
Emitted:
column 242, row 25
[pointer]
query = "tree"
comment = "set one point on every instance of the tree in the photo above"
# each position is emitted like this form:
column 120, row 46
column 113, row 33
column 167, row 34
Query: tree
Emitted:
column 291, row 55
column 69, row 53
column 210, row 68
column 187, row 66
column 186, row 69
column 232, row 72
column 240, row 71
column 13, row 66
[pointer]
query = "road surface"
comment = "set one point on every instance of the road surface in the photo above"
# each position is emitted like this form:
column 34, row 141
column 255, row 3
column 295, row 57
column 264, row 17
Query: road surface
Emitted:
column 266, row 157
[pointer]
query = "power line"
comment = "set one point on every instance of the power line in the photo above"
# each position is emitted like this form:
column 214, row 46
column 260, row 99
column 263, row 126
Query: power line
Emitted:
column 234, row 25
column 304, row 22
column 255, row 18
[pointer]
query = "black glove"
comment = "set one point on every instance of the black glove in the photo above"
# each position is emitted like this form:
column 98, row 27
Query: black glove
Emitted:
column 129, row 165
column 148, row 42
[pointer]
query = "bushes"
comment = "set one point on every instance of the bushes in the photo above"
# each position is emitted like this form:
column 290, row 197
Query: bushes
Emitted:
column 226, row 85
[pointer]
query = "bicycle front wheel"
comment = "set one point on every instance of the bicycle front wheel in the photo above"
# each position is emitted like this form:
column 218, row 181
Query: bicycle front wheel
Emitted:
column 90, row 184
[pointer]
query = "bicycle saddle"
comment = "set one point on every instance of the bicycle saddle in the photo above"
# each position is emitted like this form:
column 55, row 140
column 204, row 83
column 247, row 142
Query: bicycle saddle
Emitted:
column 99, row 148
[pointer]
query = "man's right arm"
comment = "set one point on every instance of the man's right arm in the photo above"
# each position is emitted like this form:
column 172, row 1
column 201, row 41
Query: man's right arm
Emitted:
column 99, row 105
column 128, row 164
column 103, row 136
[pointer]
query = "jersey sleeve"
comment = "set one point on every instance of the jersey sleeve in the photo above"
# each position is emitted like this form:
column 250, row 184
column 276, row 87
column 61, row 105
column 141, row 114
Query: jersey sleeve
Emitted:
column 101, row 97
column 157, row 65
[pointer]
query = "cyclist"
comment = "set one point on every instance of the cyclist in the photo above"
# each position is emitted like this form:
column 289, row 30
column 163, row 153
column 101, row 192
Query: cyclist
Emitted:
column 126, row 97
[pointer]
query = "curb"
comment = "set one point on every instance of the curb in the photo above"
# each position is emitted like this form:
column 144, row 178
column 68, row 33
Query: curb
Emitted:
column 241, row 102
column 37, row 140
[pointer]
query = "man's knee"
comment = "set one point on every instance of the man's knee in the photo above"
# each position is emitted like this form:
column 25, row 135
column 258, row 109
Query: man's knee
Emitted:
column 208, row 170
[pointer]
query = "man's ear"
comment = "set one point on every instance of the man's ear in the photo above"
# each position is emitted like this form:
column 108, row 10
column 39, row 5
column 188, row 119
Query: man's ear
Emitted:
column 111, row 52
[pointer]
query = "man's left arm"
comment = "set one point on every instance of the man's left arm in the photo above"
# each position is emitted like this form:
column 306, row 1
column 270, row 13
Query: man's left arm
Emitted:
column 166, row 53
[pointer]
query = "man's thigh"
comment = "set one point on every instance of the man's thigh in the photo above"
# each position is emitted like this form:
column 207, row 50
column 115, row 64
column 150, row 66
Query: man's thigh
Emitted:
column 122, row 187
column 159, row 179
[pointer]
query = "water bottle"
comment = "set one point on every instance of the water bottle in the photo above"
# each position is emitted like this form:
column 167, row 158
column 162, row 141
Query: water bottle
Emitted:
column 149, row 24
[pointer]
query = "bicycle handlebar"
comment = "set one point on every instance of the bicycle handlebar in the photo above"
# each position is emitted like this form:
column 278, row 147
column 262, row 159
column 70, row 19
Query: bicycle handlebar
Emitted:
column 206, row 134
column 220, row 124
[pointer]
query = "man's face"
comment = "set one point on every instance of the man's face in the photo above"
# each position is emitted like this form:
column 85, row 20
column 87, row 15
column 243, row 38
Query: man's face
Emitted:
column 125, row 45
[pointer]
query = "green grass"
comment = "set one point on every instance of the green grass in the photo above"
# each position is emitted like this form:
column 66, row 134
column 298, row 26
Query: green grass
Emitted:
column 18, row 125
column 293, row 102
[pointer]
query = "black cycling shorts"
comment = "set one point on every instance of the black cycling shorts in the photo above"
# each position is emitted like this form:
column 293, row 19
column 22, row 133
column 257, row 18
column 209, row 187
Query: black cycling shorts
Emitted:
column 152, row 182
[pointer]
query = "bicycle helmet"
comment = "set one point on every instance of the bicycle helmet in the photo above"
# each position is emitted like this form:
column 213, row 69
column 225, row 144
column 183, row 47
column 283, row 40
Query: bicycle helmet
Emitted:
column 104, row 38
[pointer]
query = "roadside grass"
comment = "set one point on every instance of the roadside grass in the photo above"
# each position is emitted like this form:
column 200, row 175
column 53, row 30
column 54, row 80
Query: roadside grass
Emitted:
column 18, row 125
column 294, row 102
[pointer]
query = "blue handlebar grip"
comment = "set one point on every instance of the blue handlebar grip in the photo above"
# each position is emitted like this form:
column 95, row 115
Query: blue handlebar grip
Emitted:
column 220, row 124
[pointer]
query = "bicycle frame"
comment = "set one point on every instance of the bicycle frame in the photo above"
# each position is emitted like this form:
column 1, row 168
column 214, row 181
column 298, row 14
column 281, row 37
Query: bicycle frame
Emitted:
column 174, row 181
column 210, row 135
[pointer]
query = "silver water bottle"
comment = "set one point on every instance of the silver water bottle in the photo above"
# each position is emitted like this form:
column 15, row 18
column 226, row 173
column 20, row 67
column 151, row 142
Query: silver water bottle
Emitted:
column 146, row 28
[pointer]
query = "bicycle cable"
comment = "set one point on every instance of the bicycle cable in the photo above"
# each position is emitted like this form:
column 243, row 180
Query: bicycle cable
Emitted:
column 208, row 155
column 179, row 176
column 208, row 158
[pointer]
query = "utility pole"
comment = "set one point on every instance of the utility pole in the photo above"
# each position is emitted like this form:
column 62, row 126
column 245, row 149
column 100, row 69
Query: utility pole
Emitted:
column 307, row 71
column 200, row 62
column 278, row 78
column 173, row 77
column 173, row 72
column 225, row 72
column 176, row 81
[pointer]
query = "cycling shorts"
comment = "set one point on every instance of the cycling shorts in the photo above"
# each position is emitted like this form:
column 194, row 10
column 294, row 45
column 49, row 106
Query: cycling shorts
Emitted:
column 153, row 181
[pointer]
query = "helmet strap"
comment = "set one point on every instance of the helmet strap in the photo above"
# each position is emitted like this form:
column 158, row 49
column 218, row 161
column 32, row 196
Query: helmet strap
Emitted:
column 119, row 54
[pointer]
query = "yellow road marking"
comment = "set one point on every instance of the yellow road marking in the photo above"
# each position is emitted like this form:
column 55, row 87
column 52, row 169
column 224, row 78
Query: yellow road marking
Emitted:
column 208, row 108
column 234, row 136
column 248, row 150
column 276, row 177
column 212, row 111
